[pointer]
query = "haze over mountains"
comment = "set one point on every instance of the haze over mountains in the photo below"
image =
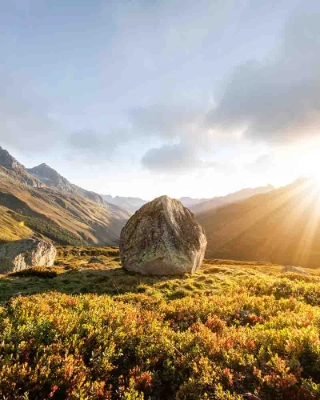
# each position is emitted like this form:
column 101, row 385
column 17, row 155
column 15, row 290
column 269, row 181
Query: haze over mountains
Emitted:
column 132, row 204
column 243, row 194
column 281, row 226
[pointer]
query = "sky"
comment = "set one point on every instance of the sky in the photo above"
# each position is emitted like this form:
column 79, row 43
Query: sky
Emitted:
column 145, row 98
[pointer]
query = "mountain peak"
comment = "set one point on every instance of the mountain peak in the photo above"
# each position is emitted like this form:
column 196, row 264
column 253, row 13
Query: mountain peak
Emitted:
column 8, row 161
column 17, row 170
column 43, row 168
column 43, row 165
column 50, row 176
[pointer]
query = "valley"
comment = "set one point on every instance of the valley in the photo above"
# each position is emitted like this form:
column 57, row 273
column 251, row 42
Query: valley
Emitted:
column 238, row 326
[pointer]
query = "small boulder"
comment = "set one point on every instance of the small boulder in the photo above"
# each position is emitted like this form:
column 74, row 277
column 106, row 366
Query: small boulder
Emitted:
column 162, row 238
column 95, row 260
column 26, row 253
column 292, row 268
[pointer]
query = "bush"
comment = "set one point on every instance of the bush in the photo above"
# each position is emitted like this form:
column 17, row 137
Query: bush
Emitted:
column 58, row 346
column 233, row 335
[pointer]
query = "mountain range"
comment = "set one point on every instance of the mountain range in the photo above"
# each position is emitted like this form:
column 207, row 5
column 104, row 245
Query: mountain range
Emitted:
column 52, row 207
column 39, row 202
column 132, row 204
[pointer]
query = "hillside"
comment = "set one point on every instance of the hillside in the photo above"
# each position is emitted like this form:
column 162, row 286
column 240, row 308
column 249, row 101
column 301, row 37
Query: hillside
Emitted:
column 202, row 206
column 15, row 170
column 49, row 177
column 279, row 226
column 231, row 331
column 11, row 229
column 60, row 215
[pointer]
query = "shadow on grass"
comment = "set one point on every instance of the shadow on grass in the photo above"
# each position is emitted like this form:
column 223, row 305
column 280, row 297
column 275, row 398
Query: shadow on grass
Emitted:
column 112, row 281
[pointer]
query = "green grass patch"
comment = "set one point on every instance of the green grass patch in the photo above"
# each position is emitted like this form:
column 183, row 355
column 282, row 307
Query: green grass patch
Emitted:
column 39, row 272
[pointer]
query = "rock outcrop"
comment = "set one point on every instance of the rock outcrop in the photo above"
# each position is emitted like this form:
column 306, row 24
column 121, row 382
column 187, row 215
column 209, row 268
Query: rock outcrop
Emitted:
column 162, row 238
column 292, row 268
column 9, row 162
column 26, row 253
column 95, row 260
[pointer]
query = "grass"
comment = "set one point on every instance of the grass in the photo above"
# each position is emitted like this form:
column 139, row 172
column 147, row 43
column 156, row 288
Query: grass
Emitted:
column 73, row 274
column 11, row 229
column 93, row 331
column 48, row 228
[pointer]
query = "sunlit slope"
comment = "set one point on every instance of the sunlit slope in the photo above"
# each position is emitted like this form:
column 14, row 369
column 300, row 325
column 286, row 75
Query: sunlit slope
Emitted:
column 279, row 226
column 76, row 214
column 12, row 229
column 240, row 195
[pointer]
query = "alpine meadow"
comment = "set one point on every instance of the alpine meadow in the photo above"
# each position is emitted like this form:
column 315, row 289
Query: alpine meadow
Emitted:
column 160, row 200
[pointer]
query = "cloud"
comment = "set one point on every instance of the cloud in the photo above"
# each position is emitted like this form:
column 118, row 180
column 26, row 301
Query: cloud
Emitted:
column 277, row 100
column 165, row 120
column 169, row 67
column 93, row 146
column 262, row 164
column 171, row 158
column 25, row 122
column 169, row 124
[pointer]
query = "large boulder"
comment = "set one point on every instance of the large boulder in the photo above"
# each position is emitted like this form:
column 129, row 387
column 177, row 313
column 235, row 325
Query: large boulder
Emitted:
column 162, row 238
column 26, row 253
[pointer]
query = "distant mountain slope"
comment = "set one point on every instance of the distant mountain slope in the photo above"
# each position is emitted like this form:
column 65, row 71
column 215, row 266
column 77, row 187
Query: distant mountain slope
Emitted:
column 10, row 228
column 63, row 216
column 130, row 204
column 280, row 226
column 52, row 178
column 190, row 202
column 229, row 198
column 17, row 170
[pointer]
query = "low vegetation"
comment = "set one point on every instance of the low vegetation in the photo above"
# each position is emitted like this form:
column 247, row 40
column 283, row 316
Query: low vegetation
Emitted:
column 49, row 229
column 11, row 229
column 92, row 331
column 40, row 272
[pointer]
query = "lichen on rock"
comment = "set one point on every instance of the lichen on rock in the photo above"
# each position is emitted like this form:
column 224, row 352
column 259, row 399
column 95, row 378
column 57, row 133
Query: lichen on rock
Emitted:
column 162, row 238
column 26, row 253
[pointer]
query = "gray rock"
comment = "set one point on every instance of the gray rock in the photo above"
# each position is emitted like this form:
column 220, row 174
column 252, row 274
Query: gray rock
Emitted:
column 292, row 268
column 95, row 260
column 26, row 253
column 162, row 238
